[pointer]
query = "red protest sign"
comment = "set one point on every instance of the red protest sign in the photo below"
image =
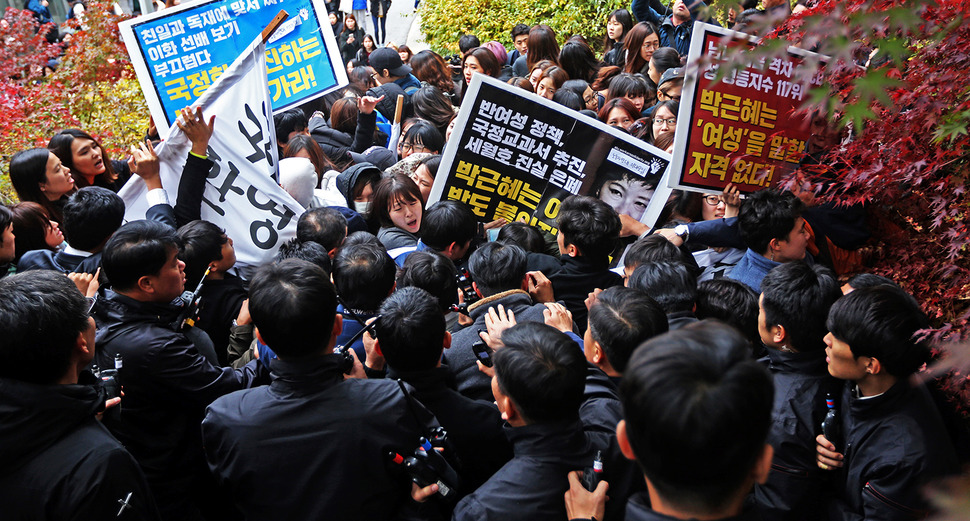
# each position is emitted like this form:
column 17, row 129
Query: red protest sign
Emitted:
column 747, row 128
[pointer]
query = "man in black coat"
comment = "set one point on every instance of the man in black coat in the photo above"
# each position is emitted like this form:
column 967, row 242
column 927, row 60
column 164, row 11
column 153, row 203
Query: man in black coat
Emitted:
column 538, row 385
column 59, row 461
column 411, row 336
column 697, row 410
column 167, row 382
column 588, row 230
column 500, row 278
column 312, row 445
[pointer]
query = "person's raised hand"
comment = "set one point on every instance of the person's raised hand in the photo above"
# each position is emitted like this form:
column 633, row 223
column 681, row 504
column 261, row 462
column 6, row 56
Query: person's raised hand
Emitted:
column 196, row 129
column 375, row 359
column 826, row 455
column 540, row 287
column 669, row 234
column 244, row 318
column 367, row 104
column 497, row 320
column 583, row 504
column 86, row 283
column 144, row 163
column 630, row 227
column 557, row 316
column 732, row 200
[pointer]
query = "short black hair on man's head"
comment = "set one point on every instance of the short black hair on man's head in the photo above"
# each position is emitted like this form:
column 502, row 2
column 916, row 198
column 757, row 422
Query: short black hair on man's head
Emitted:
column 589, row 224
column 697, row 411
column 138, row 249
column 446, row 222
column 766, row 215
column 310, row 251
column 732, row 302
column 496, row 267
column 325, row 226
column 91, row 215
column 622, row 319
column 293, row 120
column 542, row 370
column 881, row 322
column 797, row 297
column 361, row 238
column 868, row 280
column 363, row 275
column 652, row 248
column 41, row 315
column 520, row 30
column 432, row 272
column 669, row 283
column 468, row 42
column 200, row 243
column 411, row 330
column 293, row 305
column 522, row 235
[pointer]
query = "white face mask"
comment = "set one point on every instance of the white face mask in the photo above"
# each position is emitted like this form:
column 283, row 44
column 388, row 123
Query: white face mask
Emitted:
column 363, row 208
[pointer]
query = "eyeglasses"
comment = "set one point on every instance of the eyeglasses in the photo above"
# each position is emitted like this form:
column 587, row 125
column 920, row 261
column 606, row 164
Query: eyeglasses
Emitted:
column 712, row 200
column 670, row 96
column 661, row 121
column 589, row 99
column 651, row 46
column 408, row 147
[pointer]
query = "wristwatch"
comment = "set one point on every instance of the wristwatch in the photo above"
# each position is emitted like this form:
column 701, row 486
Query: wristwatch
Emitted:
column 682, row 231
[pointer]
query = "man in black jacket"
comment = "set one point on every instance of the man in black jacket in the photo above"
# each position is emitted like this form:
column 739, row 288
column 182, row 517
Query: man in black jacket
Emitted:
column 59, row 462
column 411, row 335
column 794, row 303
column 167, row 382
column 697, row 410
column 538, row 385
column 500, row 278
column 312, row 445
column 588, row 230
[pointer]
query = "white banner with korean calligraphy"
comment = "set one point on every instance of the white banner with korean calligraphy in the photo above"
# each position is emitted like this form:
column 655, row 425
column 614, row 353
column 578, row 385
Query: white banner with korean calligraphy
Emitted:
column 516, row 155
column 241, row 194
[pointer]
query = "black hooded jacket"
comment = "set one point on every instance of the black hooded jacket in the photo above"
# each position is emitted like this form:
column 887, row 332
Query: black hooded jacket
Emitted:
column 59, row 462
column 337, row 145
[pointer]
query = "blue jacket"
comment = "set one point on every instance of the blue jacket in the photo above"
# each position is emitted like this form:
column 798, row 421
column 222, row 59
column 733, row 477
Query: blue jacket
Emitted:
column 409, row 83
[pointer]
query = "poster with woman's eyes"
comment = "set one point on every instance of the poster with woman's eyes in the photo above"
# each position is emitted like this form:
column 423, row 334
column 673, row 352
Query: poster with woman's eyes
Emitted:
column 516, row 156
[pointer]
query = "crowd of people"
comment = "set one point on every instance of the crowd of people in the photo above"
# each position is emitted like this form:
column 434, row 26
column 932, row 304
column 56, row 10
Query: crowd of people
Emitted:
column 402, row 359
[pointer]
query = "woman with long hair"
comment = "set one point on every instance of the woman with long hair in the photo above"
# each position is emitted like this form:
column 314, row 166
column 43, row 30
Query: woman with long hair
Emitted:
column 350, row 39
column 551, row 81
column 430, row 104
column 34, row 229
column 632, row 87
column 88, row 161
column 542, row 45
column 578, row 60
column 479, row 60
column 39, row 176
column 305, row 146
column 618, row 25
column 367, row 46
column 638, row 47
column 430, row 67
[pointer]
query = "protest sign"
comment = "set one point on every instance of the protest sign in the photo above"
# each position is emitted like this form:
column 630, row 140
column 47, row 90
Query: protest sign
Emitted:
column 179, row 52
column 241, row 194
column 745, row 129
column 515, row 155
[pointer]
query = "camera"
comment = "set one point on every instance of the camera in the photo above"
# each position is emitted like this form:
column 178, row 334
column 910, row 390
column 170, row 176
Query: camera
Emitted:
column 464, row 279
column 482, row 352
column 346, row 363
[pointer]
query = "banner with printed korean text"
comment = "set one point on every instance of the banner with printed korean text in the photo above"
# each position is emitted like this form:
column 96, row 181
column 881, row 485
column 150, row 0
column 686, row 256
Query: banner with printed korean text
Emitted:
column 515, row 155
column 179, row 52
column 747, row 128
column 241, row 194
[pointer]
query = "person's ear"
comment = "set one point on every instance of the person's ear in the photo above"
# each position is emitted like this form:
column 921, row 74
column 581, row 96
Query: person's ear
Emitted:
column 597, row 352
column 874, row 366
column 338, row 327
column 258, row 336
column 477, row 292
column 762, row 467
column 624, row 442
column 447, row 342
column 778, row 334
column 213, row 267
column 145, row 284
column 82, row 347
column 377, row 347
column 572, row 250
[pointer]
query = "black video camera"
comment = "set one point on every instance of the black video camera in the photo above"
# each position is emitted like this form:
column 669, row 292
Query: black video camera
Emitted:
column 426, row 466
